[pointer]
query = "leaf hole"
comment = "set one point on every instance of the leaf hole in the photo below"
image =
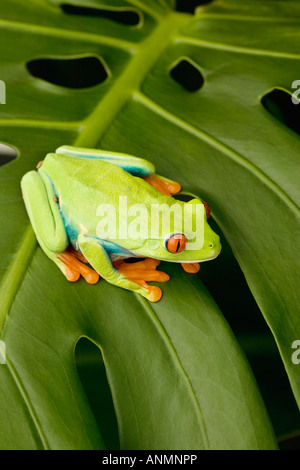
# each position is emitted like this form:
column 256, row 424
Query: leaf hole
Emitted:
column 189, row 6
column 187, row 74
column 7, row 154
column 92, row 374
column 79, row 72
column 284, row 107
column 124, row 16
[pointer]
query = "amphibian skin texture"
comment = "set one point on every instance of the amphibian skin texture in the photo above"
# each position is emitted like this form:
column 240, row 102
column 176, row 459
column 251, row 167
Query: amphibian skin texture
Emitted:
column 92, row 209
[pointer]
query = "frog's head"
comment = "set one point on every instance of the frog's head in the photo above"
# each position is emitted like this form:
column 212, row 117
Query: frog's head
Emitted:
column 186, row 238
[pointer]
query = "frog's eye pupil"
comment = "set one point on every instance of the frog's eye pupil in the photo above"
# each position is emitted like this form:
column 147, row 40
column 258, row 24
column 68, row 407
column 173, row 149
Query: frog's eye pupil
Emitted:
column 176, row 243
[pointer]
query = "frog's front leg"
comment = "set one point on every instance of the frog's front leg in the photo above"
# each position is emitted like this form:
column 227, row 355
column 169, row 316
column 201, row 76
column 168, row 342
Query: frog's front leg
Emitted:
column 44, row 214
column 131, row 276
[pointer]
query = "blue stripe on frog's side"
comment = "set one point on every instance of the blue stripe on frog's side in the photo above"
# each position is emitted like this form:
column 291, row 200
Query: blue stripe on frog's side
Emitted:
column 112, row 249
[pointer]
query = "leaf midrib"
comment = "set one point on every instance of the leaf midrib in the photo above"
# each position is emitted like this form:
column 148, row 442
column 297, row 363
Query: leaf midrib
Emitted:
column 130, row 81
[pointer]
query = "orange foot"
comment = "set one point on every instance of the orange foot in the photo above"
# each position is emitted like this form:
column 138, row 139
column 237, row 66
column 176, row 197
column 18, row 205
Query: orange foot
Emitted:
column 191, row 267
column 163, row 185
column 74, row 263
column 143, row 271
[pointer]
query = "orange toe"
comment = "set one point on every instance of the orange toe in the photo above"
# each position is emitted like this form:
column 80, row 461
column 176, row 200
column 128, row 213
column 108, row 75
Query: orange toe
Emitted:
column 163, row 185
column 71, row 275
column 142, row 272
column 157, row 184
column 75, row 268
column 90, row 275
column 173, row 187
column 147, row 275
column 154, row 293
column 148, row 263
column 191, row 267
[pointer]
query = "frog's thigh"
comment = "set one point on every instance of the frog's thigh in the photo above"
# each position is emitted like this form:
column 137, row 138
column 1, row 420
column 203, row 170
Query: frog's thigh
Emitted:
column 45, row 216
column 134, row 165
column 44, row 212
column 100, row 261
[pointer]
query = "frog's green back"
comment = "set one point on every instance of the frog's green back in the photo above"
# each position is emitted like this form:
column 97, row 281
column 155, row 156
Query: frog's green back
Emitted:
column 83, row 184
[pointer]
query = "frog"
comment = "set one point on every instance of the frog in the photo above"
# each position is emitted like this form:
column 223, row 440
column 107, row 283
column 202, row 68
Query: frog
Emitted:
column 75, row 200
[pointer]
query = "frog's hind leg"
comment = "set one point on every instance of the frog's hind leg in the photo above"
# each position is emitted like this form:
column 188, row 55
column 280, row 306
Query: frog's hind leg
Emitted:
column 44, row 214
column 133, row 165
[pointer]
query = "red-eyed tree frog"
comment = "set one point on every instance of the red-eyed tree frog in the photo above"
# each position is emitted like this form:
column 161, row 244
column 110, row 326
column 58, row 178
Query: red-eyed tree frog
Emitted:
column 93, row 209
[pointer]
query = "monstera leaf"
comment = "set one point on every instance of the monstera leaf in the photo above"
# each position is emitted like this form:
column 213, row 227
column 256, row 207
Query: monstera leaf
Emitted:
column 205, row 98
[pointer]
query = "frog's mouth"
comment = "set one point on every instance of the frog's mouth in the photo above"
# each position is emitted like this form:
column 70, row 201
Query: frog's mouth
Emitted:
column 193, row 260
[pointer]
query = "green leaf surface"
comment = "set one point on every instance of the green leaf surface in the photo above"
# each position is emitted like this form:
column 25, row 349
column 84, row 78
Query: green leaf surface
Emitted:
column 177, row 375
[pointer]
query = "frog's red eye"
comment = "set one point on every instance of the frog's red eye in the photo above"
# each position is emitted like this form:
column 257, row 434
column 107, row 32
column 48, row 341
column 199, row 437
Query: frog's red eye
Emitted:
column 207, row 208
column 176, row 243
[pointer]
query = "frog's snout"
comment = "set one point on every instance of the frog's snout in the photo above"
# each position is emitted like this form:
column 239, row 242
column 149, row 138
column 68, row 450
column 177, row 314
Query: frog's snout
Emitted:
column 215, row 246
